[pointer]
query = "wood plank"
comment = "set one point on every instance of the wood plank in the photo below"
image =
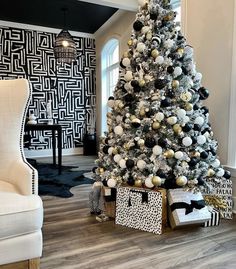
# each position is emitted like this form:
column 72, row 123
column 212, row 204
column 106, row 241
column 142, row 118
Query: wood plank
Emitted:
column 17, row 265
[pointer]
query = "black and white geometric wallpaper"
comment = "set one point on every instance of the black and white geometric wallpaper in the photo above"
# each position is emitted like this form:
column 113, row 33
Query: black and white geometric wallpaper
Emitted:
column 29, row 54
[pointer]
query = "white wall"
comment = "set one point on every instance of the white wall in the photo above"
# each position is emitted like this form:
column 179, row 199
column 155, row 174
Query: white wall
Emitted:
column 120, row 27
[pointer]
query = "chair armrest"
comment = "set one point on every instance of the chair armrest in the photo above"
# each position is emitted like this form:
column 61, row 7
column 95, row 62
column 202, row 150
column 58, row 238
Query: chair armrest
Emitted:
column 24, row 177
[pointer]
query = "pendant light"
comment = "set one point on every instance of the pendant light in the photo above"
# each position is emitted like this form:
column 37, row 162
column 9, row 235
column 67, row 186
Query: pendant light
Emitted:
column 64, row 45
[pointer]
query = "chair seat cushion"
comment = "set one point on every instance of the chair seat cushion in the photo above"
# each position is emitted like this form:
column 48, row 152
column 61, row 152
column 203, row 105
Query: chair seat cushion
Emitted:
column 19, row 214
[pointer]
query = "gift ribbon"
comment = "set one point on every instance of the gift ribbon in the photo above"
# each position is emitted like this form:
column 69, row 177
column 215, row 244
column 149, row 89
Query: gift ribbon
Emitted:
column 144, row 196
column 189, row 207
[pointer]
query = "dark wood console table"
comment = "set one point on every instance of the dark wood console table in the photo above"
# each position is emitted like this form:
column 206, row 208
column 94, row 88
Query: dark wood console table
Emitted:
column 54, row 128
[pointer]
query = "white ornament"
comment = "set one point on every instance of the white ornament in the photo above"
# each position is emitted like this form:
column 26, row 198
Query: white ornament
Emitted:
column 160, row 60
column 169, row 43
column 141, row 47
column 159, row 116
column 188, row 52
column 198, row 77
column 206, row 134
column 186, row 119
column 199, row 120
column 179, row 155
column 118, row 130
column 126, row 62
column 128, row 76
column 187, row 141
column 141, row 164
column 148, row 183
column 216, row 163
column 149, row 35
column 177, row 71
column 181, row 181
column 201, row 139
column 110, row 150
column 122, row 163
column 111, row 182
column 157, row 150
column 186, row 96
column 172, row 120
column 145, row 29
column 181, row 113
column 111, row 103
column 117, row 158
column 220, row 172
column 142, row 3
column 141, row 142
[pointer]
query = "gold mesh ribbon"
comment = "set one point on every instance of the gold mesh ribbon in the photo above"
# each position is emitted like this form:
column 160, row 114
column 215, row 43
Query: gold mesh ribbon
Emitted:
column 215, row 201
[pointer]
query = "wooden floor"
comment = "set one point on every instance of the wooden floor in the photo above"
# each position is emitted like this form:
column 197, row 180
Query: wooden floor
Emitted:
column 74, row 239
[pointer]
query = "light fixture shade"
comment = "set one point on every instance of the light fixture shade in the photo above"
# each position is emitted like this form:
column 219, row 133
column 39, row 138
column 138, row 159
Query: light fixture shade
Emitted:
column 65, row 48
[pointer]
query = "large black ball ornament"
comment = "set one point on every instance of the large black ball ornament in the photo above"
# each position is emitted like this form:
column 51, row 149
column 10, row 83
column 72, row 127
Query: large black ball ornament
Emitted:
column 129, row 98
column 162, row 142
column 194, row 140
column 111, row 98
column 204, row 93
column 166, row 102
column 137, row 89
column 197, row 127
column 129, row 164
column 150, row 113
column 160, row 83
column 170, row 69
column 104, row 182
column 227, row 174
column 121, row 65
column 134, row 83
column 201, row 182
column 213, row 151
column 106, row 141
column 204, row 155
column 193, row 161
column 187, row 127
column 138, row 25
column 94, row 169
column 153, row 16
column 150, row 142
column 161, row 174
column 196, row 107
column 105, row 149
column 130, row 181
column 170, row 93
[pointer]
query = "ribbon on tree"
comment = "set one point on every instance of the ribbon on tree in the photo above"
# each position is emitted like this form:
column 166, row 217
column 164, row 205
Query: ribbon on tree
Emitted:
column 144, row 196
column 189, row 207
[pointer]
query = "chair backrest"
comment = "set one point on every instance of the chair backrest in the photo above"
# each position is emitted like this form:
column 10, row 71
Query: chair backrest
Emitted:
column 14, row 99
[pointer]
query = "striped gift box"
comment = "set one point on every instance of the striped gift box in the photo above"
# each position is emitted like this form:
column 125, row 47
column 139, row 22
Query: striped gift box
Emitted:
column 215, row 218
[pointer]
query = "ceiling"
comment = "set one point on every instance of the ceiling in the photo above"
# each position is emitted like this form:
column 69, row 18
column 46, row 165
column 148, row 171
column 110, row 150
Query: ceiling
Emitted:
column 80, row 16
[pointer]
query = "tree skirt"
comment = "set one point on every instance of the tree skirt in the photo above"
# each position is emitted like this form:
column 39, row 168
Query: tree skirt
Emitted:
column 51, row 183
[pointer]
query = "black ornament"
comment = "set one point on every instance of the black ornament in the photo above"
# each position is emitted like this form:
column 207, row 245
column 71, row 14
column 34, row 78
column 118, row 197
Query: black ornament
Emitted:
column 111, row 98
column 129, row 98
column 146, row 128
column 162, row 142
column 201, row 181
column 137, row 89
column 106, row 140
column 129, row 163
column 161, row 174
column 160, row 83
column 104, row 182
column 136, row 124
column 170, row 93
column 197, row 127
column 194, row 140
column 213, row 151
column 150, row 113
column 227, row 174
column 94, row 169
column 185, row 71
column 150, row 142
column 138, row 25
column 121, row 65
column 105, row 149
column 204, row 155
column 205, row 110
column 166, row 102
column 134, row 83
column 170, row 69
column 153, row 16
column 196, row 107
column 193, row 161
column 204, row 93
column 187, row 127
column 130, row 181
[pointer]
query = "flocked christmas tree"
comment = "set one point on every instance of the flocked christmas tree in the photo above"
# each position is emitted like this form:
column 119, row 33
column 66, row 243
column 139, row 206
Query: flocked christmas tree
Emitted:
column 158, row 128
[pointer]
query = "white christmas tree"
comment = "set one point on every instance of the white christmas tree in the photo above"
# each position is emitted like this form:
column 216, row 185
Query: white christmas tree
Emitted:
column 158, row 128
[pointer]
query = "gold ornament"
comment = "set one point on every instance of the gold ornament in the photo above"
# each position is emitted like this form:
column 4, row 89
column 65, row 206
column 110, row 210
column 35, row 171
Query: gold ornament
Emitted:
column 155, row 53
column 189, row 107
column 156, row 125
column 101, row 170
column 126, row 146
column 169, row 154
column 142, row 112
column 141, row 82
column 138, row 183
column 175, row 84
column 180, row 51
column 177, row 128
column 181, row 181
column 196, row 154
column 130, row 42
column 126, row 54
column 132, row 117
column 210, row 173
column 115, row 151
column 156, row 181
column 149, row 35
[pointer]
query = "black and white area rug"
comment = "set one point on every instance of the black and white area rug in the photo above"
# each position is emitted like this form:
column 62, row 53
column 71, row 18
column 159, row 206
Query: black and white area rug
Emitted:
column 51, row 183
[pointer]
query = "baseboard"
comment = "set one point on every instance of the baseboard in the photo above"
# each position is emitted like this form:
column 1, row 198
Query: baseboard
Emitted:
column 48, row 152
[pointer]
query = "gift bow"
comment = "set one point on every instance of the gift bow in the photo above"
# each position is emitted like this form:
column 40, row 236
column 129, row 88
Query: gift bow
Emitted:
column 189, row 207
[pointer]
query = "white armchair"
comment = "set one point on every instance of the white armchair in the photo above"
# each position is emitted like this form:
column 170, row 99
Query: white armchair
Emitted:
column 21, row 210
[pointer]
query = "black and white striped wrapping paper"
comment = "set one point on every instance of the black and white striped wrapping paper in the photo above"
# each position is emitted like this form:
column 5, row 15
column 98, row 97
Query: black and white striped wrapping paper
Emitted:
column 215, row 218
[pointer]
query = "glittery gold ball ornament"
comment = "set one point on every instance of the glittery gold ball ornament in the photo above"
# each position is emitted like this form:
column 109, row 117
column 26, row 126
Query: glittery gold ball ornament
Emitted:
column 101, row 170
column 175, row 84
column 189, row 107
column 169, row 154
column 156, row 125
column 156, row 181
column 186, row 96
column 142, row 112
column 130, row 42
column 115, row 151
column 155, row 53
column 125, row 54
column 138, row 183
column 141, row 82
column 196, row 154
column 210, row 172
column 180, row 51
column 132, row 117
column 177, row 128
column 181, row 181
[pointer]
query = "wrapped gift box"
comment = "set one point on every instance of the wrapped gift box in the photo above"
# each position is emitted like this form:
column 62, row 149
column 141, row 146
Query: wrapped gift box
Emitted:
column 215, row 218
column 140, row 209
column 109, row 195
column 223, row 190
column 186, row 208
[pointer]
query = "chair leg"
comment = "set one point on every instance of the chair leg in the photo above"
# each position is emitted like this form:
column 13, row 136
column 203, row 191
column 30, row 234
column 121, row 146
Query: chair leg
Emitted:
column 34, row 263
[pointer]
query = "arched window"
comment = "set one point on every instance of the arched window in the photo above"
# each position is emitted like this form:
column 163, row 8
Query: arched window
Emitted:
column 110, row 74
